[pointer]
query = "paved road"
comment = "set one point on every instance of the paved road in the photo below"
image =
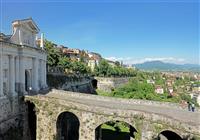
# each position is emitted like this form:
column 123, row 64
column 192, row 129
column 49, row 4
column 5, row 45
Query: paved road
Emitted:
column 175, row 113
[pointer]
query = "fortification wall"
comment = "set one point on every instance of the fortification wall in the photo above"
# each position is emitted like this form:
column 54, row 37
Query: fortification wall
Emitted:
column 82, row 84
column 11, row 122
column 108, row 84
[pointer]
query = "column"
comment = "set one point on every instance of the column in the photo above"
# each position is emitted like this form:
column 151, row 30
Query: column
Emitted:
column 42, row 73
column 21, row 75
column 1, row 70
column 35, row 74
column 11, row 75
column 45, row 74
column 17, row 74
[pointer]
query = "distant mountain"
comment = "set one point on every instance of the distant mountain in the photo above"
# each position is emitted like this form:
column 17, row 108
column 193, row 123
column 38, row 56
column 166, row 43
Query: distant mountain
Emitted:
column 161, row 66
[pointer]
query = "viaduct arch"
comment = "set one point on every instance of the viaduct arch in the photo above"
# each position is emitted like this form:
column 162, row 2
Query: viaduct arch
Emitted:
column 90, row 111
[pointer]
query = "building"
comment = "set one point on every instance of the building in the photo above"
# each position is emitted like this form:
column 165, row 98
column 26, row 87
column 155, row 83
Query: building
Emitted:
column 196, row 88
column 169, row 82
column 73, row 54
column 94, row 59
column 159, row 89
column 170, row 90
column 112, row 63
column 22, row 69
column 150, row 81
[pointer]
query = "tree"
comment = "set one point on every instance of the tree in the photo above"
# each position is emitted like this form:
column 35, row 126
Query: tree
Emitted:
column 117, row 63
column 53, row 54
column 65, row 62
column 103, row 67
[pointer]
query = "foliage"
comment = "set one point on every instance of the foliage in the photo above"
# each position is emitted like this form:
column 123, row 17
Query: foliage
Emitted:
column 56, row 58
column 53, row 54
column 64, row 62
column 115, row 125
column 80, row 67
column 106, row 70
column 138, row 88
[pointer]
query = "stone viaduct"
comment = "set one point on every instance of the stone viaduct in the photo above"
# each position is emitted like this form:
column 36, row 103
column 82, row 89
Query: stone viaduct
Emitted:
column 149, row 119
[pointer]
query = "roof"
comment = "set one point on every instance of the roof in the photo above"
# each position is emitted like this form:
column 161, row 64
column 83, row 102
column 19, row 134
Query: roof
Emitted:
column 29, row 21
column 158, row 86
column 4, row 37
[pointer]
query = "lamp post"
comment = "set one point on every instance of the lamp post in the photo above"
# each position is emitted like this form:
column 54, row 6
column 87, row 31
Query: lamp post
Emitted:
column 29, row 90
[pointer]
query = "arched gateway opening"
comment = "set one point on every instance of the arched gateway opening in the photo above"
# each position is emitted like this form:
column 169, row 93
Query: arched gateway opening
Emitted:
column 67, row 126
column 94, row 83
column 168, row 135
column 31, row 121
column 115, row 130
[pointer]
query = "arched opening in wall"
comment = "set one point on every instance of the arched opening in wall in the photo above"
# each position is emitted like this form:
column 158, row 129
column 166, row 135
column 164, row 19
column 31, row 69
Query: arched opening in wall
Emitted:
column 94, row 83
column 169, row 135
column 27, row 80
column 32, row 119
column 67, row 126
column 115, row 130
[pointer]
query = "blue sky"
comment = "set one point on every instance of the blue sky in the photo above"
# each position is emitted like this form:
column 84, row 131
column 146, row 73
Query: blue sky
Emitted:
column 133, row 31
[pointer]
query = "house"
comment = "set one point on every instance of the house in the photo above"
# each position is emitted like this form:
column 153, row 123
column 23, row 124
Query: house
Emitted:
column 170, row 90
column 112, row 63
column 195, row 96
column 159, row 89
column 169, row 82
column 149, row 81
column 93, row 60
column 73, row 54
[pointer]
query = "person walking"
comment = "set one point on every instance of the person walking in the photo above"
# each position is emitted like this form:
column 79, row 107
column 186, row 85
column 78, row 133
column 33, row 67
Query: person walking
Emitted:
column 189, row 106
column 193, row 107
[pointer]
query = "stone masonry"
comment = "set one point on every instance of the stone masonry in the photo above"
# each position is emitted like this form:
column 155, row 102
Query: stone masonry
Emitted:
column 148, row 119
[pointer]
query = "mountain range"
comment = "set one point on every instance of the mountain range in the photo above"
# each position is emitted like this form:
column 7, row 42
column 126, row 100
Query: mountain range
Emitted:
column 162, row 66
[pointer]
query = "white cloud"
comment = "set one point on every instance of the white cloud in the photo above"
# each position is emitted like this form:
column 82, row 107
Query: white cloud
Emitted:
column 129, row 60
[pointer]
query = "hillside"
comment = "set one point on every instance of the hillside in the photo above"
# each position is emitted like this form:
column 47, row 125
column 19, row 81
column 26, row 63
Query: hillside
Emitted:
column 161, row 66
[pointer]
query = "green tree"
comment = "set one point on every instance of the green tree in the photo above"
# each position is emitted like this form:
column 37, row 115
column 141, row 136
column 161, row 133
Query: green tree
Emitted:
column 53, row 54
column 65, row 62
column 103, row 68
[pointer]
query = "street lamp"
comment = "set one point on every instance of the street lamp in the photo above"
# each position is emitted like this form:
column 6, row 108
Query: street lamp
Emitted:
column 29, row 90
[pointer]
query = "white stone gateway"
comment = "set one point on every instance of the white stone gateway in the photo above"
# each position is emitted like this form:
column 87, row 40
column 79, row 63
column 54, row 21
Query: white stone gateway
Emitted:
column 22, row 70
column 22, row 63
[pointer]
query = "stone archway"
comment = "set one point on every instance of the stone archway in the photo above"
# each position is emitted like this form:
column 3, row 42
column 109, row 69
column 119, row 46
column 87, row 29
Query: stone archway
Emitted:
column 32, row 119
column 27, row 80
column 115, row 130
column 169, row 135
column 94, row 83
column 67, row 126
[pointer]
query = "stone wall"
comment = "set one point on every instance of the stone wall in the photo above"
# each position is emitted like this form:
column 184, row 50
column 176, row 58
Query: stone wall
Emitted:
column 121, row 100
column 82, row 84
column 11, row 119
column 147, row 125
column 108, row 84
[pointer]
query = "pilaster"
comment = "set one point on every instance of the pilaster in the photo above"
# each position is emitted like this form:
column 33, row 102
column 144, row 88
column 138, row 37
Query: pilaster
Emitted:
column 45, row 74
column 21, row 75
column 11, row 75
column 35, row 74
column 17, row 74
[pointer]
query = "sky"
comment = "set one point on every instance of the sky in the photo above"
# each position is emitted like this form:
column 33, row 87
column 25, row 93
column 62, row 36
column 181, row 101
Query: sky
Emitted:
column 133, row 31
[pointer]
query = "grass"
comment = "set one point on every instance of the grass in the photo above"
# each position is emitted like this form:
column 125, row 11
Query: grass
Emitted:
column 121, row 127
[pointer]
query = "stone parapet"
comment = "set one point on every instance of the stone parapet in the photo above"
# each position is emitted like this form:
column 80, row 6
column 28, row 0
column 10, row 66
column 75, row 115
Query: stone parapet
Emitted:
column 120, row 100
